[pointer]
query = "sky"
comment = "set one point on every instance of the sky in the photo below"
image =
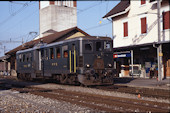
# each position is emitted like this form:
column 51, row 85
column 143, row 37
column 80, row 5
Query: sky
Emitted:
column 19, row 21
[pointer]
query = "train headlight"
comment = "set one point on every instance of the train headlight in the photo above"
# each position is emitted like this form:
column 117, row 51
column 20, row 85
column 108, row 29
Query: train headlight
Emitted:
column 109, row 65
column 87, row 65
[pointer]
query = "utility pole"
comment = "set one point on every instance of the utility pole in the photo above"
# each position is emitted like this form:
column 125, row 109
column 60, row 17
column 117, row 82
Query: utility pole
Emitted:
column 159, row 49
column 4, row 50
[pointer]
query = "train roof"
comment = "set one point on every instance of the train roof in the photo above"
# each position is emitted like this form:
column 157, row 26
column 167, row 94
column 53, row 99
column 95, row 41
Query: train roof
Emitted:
column 43, row 45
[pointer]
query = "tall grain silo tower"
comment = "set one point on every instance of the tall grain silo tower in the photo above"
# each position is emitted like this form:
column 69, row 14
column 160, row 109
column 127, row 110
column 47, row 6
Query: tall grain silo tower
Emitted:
column 56, row 16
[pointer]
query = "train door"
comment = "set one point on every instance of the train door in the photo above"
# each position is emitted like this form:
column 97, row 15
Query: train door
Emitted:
column 72, row 59
column 37, row 60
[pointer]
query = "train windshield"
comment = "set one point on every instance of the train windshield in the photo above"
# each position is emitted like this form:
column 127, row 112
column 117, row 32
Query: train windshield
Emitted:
column 107, row 45
column 98, row 46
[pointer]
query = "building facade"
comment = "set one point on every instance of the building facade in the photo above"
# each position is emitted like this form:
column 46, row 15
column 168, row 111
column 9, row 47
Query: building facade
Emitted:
column 56, row 16
column 135, row 37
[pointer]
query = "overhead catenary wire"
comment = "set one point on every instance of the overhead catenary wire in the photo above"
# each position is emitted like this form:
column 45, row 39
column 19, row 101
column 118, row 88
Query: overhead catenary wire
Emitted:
column 94, row 27
column 14, row 26
column 14, row 14
column 82, row 10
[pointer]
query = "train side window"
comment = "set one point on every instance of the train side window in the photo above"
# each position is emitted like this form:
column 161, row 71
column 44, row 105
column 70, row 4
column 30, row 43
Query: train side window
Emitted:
column 27, row 57
column 23, row 58
column 51, row 53
column 30, row 57
column 20, row 58
column 65, row 51
column 42, row 53
column 46, row 54
column 98, row 46
column 88, row 47
column 58, row 55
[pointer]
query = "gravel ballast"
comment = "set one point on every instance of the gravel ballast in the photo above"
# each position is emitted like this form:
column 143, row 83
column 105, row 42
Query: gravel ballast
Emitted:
column 13, row 101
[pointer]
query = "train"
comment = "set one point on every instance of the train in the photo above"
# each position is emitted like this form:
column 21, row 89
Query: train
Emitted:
column 86, row 60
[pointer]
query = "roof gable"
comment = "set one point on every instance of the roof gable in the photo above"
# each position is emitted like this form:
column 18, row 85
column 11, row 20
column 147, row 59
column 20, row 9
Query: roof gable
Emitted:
column 120, row 7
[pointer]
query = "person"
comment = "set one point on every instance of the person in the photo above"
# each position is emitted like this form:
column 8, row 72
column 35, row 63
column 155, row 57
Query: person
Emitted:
column 151, row 72
column 156, row 72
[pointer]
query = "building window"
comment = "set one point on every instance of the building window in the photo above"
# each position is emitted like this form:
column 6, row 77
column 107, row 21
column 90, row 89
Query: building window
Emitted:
column 166, row 24
column 143, row 25
column 125, row 27
column 143, row 2
column 52, row 2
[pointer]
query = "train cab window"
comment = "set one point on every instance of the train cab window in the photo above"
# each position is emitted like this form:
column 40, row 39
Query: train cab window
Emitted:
column 65, row 51
column 107, row 45
column 58, row 55
column 51, row 53
column 88, row 47
column 98, row 46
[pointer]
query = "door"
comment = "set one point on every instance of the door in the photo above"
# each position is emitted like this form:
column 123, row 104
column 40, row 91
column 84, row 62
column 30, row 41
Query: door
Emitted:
column 72, row 59
column 37, row 60
column 168, row 68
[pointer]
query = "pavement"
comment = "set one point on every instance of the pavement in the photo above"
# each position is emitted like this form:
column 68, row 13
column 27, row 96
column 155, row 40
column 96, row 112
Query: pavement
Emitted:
column 143, row 82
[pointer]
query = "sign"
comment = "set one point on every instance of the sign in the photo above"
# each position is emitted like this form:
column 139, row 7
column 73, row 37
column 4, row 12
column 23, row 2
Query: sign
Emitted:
column 122, row 55
column 160, row 54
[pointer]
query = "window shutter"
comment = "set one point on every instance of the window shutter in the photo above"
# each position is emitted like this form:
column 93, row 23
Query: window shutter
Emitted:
column 143, row 2
column 143, row 25
column 125, row 25
column 51, row 2
column 166, row 20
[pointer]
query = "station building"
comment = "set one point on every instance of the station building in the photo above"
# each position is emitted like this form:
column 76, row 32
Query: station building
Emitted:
column 135, row 37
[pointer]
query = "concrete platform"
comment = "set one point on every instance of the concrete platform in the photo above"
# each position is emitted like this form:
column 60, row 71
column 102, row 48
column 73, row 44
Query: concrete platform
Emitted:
column 143, row 82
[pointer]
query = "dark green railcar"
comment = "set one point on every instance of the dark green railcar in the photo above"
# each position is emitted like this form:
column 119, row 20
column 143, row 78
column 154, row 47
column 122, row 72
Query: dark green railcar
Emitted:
column 85, row 60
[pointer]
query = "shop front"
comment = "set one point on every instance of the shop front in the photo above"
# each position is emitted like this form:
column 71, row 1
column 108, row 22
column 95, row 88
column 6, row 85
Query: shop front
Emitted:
column 141, row 61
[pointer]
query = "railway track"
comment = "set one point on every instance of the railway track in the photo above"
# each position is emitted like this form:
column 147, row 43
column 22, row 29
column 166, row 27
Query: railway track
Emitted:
column 98, row 102
column 94, row 101
column 145, row 92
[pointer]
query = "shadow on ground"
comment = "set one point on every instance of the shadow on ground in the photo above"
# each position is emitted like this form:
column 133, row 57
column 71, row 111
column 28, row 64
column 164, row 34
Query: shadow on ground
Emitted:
column 123, row 80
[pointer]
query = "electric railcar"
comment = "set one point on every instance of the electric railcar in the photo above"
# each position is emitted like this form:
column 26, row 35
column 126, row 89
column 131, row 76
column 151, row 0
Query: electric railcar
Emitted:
column 85, row 60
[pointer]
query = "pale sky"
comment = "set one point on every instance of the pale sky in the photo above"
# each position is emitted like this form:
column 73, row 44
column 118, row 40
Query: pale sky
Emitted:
column 19, row 18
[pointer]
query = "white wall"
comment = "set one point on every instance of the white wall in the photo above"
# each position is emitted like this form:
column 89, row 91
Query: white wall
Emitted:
column 134, row 25
column 44, row 4
column 57, row 18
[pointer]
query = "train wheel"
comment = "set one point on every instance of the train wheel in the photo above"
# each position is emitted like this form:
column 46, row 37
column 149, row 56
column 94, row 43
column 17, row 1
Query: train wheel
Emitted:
column 63, row 78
